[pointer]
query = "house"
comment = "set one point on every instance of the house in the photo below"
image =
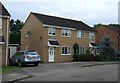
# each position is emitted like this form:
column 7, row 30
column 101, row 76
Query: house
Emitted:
column 4, row 34
column 53, row 37
column 105, row 30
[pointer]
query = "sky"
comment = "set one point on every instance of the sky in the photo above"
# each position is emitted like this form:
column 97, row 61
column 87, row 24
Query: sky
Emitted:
column 90, row 12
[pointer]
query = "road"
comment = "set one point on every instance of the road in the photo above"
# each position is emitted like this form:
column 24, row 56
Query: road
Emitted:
column 72, row 72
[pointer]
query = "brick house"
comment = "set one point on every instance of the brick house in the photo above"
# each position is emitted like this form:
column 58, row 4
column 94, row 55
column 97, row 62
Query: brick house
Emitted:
column 53, row 37
column 114, row 32
column 4, row 34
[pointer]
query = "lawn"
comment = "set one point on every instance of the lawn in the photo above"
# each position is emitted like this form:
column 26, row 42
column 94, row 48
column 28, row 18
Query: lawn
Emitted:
column 9, row 69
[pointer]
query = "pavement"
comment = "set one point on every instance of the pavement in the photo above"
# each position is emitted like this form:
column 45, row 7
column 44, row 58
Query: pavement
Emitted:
column 23, row 74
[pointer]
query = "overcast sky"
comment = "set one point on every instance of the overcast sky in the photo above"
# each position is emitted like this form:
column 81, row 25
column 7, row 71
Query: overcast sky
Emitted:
column 89, row 11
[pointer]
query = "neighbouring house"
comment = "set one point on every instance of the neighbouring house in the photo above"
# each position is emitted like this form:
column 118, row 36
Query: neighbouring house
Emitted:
column 113, row 31
column 4, row 34
column 53, row 37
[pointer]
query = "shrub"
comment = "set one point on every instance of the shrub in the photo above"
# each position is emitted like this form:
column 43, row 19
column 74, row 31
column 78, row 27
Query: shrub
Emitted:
column 76, row 57
column 98, row 58
column 83, row 57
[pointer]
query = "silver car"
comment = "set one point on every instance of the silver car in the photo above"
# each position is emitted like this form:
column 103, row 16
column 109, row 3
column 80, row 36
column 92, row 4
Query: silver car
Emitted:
column 22, row 58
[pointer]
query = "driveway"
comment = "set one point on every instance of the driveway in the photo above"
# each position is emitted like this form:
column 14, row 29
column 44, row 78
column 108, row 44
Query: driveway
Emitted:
column 80, row 71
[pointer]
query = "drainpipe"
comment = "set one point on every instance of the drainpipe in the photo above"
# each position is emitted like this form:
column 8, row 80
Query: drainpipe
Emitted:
column 7, row 41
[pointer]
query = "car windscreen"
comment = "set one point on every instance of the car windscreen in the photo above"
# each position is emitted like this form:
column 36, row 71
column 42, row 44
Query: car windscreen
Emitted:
column 31, row 53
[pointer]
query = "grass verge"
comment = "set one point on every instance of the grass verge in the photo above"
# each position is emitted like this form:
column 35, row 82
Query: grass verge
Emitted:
column 9, row 69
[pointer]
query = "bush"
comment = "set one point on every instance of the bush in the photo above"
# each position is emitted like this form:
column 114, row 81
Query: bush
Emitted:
column 98, row 58
column 91, row 57
column 83, row 57
column 15, row 38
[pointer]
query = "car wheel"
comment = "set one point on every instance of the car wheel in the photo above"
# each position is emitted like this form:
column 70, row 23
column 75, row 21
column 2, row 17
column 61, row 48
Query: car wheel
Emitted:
column 36, row 64
column 20, row 64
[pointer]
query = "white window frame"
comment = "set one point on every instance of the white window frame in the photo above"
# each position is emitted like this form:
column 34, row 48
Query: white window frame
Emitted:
column 81, row 50
column 68, row 51
column 51, row 30
column 91, row 35
column 66, row 31
column 0, row 22
column 81, row 34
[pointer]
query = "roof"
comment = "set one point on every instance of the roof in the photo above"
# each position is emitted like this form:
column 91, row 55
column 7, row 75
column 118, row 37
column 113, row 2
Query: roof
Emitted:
column 3, row 10
column 93, row 44
column 54, row 42
column 63, row 22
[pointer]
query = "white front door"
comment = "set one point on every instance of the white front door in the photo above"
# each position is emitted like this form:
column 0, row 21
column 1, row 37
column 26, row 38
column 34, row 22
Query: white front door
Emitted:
column 51, row 54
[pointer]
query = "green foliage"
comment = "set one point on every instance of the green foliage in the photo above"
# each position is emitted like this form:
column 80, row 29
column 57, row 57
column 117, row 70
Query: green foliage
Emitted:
column 87, row 51
column 16, row 26
column 10, row 69
column 106, row 48
column 113, row 25
column 76, row 48
column 15, row 38
column 83, row 57
column 98, row 58
column 91, row 57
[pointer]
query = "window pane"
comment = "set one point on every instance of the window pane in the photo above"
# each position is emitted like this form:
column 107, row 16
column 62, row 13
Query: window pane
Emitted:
column 51, row 31
column 66, row 33
column 62, row 50
column 68, row 50
column 82, row 34
column 65, row 50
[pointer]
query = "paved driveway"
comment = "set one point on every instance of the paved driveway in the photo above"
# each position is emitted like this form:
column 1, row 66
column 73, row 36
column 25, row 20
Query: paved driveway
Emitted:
column 72, row 72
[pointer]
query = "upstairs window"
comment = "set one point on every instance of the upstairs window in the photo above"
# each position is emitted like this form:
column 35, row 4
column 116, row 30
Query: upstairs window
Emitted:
column 80, row 34
column 51, row 31
column 91, row 35
column 66, row 33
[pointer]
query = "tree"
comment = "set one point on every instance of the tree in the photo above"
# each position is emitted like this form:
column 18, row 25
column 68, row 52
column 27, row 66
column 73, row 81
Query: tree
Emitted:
column 15, row 34
column 115, row 25
column 15, row 38
column 16, row 26
column 106, row 48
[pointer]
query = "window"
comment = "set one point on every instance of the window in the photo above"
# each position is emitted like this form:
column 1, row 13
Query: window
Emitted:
column 81, row 34
column 66, row 33
column 81, row 49
column 66, row 50
column 91, row 35
column 51, row 31
column 0, row 22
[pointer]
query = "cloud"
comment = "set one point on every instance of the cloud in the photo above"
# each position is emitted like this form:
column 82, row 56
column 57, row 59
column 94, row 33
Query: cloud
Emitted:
column 89, row 11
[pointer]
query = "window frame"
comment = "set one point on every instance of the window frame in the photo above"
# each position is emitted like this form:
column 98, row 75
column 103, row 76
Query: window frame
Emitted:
column 51, row 30
column 66, row 31
column 91, row 35
column 81, row 34
column 68, row 51
column 81, row 50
